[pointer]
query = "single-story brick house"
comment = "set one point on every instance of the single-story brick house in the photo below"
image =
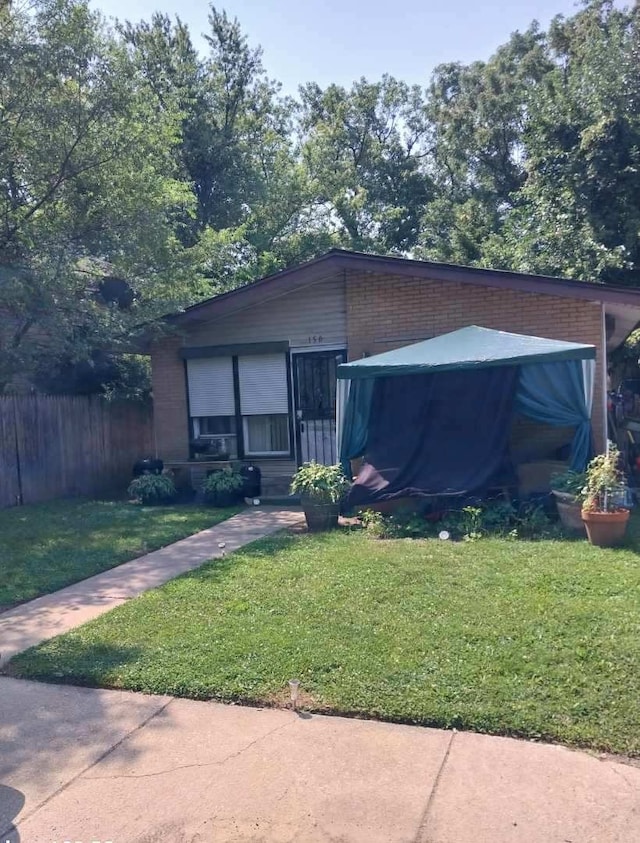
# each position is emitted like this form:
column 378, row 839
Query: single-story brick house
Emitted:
column 252, row 372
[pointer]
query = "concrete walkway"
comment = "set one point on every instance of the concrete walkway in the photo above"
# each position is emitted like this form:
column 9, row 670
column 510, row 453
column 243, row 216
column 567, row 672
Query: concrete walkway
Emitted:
column 63, row 610
column 79, row 764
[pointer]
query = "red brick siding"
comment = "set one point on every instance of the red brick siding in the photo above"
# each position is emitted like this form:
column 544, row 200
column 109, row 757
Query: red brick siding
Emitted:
column 169, row 400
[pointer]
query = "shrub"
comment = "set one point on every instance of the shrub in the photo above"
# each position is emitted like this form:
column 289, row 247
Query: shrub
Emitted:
column 569, row 481
column 152, row 489
column 467, row 524
column 222, row 488
column 376, row 524
column 532, row 522
column 323, row 483
column 604, row 489
column 402, row 524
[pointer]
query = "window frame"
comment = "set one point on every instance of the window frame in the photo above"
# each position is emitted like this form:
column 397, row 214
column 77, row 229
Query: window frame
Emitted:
column 263, row 454
column 200, row 435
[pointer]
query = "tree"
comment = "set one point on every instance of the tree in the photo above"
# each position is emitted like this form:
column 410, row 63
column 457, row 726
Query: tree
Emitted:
column 137, row 176
column 88, row 190
column 578, row 213
column 237, row 149
column 537, row 152
column 365, row 152
column 479, row 113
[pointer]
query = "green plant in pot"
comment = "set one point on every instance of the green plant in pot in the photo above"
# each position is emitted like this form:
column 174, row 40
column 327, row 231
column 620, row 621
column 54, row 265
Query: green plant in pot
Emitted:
column 604, row 511
column 566, row 488
column 321, row 489
column 223, row 488
column 152, row 489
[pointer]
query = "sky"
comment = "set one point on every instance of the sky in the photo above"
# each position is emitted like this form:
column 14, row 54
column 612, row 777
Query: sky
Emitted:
column 342, row 40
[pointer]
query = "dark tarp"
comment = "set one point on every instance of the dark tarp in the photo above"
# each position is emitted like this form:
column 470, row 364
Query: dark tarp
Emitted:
column 435, row 434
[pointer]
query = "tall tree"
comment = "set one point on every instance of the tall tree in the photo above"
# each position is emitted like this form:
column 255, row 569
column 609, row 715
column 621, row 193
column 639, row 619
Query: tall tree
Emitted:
column 237, row 145
column 578, row 213
column 87, row 192
column 365, row 151
column 479, row 113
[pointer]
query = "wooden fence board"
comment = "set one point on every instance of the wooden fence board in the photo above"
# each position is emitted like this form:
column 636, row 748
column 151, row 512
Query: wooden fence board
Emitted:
column 9, row 485
column 64, row 445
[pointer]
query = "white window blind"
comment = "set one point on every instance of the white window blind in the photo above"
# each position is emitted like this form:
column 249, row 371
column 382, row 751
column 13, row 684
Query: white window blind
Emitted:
column 263, row 384
column 211, row 386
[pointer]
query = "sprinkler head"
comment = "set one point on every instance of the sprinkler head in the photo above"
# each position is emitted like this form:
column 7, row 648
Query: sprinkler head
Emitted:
column 294, row 687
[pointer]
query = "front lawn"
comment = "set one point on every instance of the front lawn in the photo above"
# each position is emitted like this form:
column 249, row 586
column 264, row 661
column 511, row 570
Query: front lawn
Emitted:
column 50, row 545
column 539, row 639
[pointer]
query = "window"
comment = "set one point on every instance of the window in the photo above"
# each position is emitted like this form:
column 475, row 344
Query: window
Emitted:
column 257, row 424
column 264, row 435
column 216, row 425
column 264, row 404
column 220, row 434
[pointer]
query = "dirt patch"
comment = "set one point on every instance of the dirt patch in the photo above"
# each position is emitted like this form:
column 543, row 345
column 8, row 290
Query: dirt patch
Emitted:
column 305, row 702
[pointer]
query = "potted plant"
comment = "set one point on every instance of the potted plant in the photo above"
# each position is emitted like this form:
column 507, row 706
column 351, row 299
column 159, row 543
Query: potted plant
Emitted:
column 604, row 509
column 153, row 489
column 321, row 489
column 223, row 488
column 566, row 488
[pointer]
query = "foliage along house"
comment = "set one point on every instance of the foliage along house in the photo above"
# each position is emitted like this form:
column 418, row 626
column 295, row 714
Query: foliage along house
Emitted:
column 252, row 372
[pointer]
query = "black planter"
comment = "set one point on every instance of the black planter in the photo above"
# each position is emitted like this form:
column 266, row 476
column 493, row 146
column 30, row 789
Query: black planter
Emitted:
column 147, row 466
column 223, row 499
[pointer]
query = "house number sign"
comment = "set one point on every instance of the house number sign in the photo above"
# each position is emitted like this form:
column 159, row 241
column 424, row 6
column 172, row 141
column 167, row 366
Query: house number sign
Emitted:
column 314, row 339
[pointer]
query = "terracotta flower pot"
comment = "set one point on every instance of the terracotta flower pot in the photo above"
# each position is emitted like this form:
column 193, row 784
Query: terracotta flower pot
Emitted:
column 570, row 511
column 605, row 529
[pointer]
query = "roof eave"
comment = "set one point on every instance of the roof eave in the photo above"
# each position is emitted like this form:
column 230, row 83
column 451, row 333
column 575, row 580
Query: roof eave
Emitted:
column 337, row 260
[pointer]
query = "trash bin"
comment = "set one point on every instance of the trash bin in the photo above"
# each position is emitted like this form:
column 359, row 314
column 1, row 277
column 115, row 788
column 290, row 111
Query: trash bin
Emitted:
column 251, row 481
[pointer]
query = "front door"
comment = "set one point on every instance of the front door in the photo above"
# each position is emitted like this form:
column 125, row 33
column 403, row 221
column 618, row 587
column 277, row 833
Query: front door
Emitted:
column 314, row 379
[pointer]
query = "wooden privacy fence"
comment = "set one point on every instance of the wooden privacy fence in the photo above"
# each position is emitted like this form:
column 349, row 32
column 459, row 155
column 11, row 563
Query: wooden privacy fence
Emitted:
column 67, row 445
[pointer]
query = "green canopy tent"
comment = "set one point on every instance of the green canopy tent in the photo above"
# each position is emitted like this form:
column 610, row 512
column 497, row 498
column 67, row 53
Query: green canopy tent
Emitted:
column 547, row 380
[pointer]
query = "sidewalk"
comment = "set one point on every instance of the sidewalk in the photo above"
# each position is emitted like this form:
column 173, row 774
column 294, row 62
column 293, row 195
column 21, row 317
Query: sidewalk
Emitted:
column 82, row 764
column 53, row 614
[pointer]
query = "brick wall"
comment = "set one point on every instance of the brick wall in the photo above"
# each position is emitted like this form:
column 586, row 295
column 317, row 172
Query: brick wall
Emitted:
column 169, row 400
column 386, row 311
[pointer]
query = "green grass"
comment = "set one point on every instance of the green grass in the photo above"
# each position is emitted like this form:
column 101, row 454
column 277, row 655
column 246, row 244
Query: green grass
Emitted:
column 537, row 639
column 48, row 546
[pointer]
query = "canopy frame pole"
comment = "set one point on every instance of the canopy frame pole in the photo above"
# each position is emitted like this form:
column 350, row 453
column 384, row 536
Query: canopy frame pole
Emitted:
column 605, row 419
column 343, row 387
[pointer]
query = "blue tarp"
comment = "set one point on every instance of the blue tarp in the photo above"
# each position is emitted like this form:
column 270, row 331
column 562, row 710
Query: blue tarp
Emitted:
column 553, row 393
